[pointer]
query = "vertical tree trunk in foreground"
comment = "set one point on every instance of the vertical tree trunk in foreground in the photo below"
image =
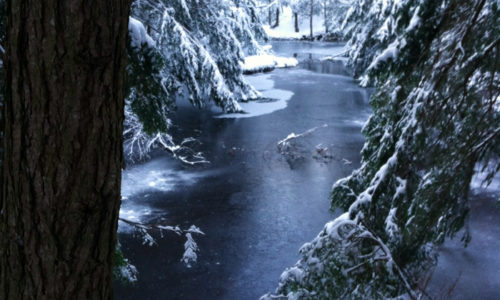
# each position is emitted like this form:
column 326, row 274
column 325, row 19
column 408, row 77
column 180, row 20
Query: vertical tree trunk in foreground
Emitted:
column 61, row 173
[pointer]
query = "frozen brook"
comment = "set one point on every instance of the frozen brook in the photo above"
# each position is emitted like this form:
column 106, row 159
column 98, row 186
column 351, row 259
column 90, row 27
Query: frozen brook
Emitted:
column 258, row 203
column 476, row 269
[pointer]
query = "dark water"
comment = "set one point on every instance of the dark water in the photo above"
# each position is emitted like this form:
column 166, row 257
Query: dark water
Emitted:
column 256, row 206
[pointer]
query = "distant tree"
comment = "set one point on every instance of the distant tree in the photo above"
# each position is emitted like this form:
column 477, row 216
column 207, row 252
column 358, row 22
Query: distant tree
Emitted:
column 334, row 12
column 311, row 14
column 62, row 147
column 310, row 8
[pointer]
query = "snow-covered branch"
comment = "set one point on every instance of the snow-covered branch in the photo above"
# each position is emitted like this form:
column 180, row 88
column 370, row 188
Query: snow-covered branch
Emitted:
column 190, row 247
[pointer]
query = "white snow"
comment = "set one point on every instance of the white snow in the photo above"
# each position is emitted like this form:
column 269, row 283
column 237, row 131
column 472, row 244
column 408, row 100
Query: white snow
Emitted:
column 267, row 62
column 128, row 272
column 138, row 34
column 332, row 227
column 286, row 29
column 415, row 20
column 293, row 135
column 190, row 249
column 286, row 62
column 293, row 272
column 390, row 225
column 262, row 82
column 391, row 52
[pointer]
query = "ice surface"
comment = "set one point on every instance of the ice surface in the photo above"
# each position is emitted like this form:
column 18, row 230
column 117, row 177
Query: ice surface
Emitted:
column 140, row 181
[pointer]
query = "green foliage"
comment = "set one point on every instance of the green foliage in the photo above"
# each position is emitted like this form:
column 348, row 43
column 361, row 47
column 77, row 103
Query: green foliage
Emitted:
column 435, row 121
column 436, row 118
column 123, row 271
column 184, row 49
column 149, row 97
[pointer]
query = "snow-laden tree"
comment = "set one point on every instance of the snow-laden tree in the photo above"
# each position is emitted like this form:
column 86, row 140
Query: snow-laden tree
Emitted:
column 370, row 25
column 436, row 118
column 270, row 10
column 334, row 12
column 191, row 49
column 331, row 11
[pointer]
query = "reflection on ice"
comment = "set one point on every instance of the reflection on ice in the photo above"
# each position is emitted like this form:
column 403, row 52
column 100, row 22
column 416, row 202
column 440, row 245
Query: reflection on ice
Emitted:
column 156, row 175
column 139, row 181
column 133, row 212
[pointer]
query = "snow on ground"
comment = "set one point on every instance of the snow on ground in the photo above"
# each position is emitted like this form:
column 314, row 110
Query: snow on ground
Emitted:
column 286, row 30
column 273, row 99
column 267, row 62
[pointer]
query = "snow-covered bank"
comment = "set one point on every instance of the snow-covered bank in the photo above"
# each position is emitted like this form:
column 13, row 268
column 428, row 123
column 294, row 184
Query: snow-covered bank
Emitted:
column 286, row 29
column 336, row 58
column 266, row 63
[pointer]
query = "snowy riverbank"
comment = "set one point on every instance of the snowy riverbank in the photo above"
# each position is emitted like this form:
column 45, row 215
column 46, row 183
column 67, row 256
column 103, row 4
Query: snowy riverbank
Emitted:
column 266, row 63
column 286, row 28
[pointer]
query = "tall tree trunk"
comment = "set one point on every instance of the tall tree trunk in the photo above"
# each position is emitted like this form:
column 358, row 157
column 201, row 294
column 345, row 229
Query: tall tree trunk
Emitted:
column 270, row 15
column 296, row 17
column 311, row 19
column 325, row 17
column 277, row 22
column 61, row 173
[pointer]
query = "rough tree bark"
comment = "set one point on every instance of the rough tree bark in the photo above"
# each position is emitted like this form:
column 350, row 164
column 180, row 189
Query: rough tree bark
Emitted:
column 61, row 173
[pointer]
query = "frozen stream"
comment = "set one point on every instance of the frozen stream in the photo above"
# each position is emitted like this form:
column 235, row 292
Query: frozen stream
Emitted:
column 255, row 205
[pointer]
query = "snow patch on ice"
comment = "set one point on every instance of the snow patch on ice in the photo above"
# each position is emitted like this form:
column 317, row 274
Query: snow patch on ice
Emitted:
column 273, row 99
column 267, row 62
